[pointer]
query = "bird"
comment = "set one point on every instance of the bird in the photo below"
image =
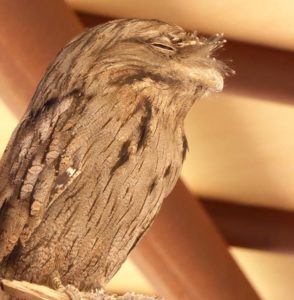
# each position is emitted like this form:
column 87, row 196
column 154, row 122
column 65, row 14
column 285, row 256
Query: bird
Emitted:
column 100, row 146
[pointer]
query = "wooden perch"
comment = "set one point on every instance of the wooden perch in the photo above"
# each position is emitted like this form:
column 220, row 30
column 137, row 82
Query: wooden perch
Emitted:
column 30, row 291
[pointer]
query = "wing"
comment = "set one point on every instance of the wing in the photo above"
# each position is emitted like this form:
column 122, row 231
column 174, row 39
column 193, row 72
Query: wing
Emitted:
column 34, row 169
column 41, row 160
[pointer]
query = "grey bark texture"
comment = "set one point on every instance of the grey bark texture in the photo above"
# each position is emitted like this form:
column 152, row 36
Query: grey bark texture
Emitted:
column 99, row 148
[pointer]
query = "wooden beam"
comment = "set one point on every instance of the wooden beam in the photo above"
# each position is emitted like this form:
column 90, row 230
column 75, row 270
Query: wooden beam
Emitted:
column 186, row 255
column 263, row 22
column 31, row 34
column 261, row 73
column 253, row 227
column 90, row 20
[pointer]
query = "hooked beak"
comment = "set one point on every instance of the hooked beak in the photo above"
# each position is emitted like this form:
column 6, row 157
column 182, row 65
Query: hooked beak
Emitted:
column 215, row 81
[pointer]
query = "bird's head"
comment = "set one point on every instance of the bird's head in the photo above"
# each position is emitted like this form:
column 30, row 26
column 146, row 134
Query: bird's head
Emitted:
column 149, row 58
column 161, row 59
column 164, row 52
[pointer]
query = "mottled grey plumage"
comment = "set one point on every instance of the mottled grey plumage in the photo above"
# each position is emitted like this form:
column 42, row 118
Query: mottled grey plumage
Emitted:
column 100, row 146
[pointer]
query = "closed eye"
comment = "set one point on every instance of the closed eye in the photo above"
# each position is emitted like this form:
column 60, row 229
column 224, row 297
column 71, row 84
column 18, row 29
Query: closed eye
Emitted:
column 164, row 47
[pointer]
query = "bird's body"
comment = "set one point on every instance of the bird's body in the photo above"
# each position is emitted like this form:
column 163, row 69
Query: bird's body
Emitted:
column 100, row 147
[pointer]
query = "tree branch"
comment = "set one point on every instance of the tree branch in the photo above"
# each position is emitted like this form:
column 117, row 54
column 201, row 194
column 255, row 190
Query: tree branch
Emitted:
column 30, row 291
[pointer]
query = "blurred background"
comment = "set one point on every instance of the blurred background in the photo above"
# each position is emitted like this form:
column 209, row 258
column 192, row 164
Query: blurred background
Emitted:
column 239, row 173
